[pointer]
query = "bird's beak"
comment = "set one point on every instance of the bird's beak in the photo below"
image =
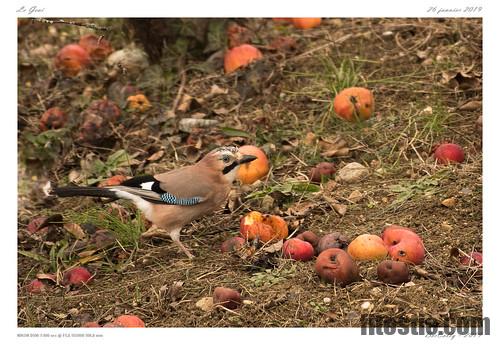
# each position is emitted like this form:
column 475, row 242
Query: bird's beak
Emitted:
column 246, row 159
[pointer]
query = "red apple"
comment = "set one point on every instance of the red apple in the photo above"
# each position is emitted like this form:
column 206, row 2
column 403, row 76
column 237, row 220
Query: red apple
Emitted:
column 354, row 104
column 449, row 153
column 53, row 118
column 98, row 48
column 475, row 259
column 297, row 249
column 265, row 227
column 309, row 236
column 393, row 272
column 333, row 240
column 129, row 321
column 306, row 23
column 403, row 244
column 324, row 170
column 228, row 298
column 71, row 59
column 336, row 266
column 240, row 56
column 36, row 286
column 76, row 276
column 232, row 244
column 252, row 171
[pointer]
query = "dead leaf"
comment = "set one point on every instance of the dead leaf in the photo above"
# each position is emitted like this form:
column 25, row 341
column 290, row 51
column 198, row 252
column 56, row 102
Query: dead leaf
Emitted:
column 86, row 253
column 274, row 247
column 49, row 276
column 329, row 186
column 450, row 202
column 267, row 203
column 423, row 273
column 471, row 105
column 175, row 290
column 156, row 156
column 155, row 232
column 91, row 258
column 355, row 196
column 198, row 115
column 221, row 111
column 217, row 90
column 336, row 153
column 75, row 176
column 238, row 35
column 75, row 230
column 283, row 43
column 310, row 138
column 340, row 209
column 302, row 209
column 103, row 238
column 206, row 303
column 188, row 103
column 463, row 80
column 43, row 51
column 332, row 143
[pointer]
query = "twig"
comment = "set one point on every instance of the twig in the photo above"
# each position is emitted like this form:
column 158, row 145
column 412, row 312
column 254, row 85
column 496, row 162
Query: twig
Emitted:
column 69, row 22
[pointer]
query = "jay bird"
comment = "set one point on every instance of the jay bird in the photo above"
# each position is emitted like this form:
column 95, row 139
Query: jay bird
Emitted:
column 173, row 199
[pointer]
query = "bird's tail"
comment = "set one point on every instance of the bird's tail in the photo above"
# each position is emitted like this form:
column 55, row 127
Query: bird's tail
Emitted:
column 113, row 192
column 68, row 191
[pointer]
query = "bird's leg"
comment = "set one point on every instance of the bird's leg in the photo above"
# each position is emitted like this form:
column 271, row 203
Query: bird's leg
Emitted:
column 175, row 236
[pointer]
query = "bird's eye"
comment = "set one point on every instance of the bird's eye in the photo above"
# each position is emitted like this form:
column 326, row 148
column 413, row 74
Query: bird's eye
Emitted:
column 226, row 159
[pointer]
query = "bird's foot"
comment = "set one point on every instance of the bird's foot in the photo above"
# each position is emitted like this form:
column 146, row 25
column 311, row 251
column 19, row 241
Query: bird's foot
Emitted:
column 185, row 250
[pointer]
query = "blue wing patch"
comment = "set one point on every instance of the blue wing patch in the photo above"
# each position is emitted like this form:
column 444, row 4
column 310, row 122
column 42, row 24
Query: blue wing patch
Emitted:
column 173, row 200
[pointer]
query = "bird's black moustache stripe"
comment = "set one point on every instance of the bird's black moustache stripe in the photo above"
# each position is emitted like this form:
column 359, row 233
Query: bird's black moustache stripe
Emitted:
column 230, row 167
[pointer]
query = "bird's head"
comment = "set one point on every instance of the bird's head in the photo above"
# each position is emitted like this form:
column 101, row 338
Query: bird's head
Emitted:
column 226, row 160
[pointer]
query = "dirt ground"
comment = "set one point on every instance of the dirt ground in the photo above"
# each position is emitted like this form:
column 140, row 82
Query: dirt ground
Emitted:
column 426, row 76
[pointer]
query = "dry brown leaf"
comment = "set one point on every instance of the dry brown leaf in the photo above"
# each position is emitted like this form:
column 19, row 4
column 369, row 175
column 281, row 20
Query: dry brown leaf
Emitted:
column 156, row 156
column 217, row 90
column 310, row 138
column 355, row 196
column 49, row 276
column 75, row 230
column 462, row 80
column 155, row 232
column 332, row 143
column 221, row 111
column 91, row 258
column 274, row 247
column 450, row 202
column 340, row 209
column 175, row 290
column 336, row 152
column 86, row 253
column 302, row 209
column 471, row 105
column 188, row 103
